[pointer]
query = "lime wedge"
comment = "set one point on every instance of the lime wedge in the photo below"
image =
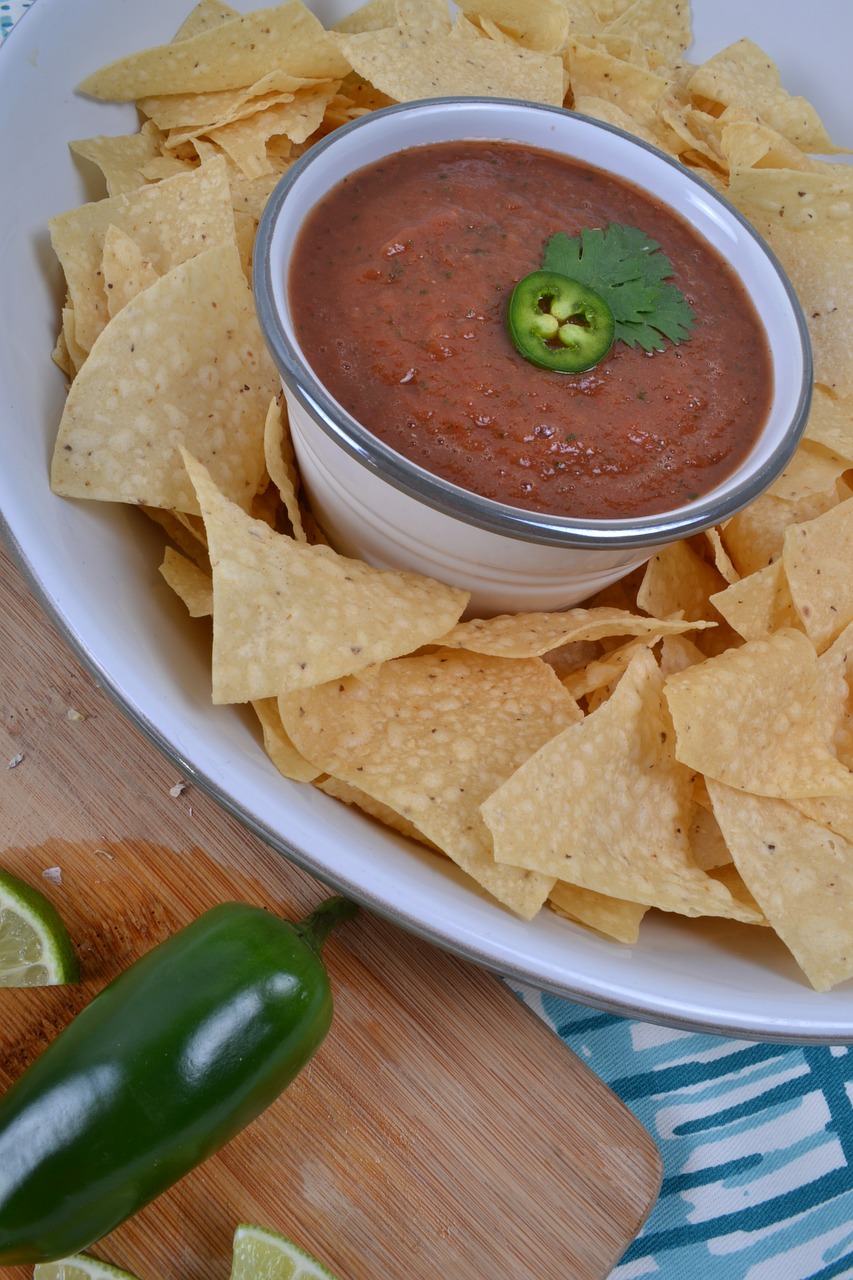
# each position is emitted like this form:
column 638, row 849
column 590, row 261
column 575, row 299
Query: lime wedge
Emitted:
column 79, row 1267
column 264, row 1255
column 35, row 949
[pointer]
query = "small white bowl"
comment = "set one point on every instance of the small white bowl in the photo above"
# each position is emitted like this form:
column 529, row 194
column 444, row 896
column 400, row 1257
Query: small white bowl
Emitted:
column 376, row 505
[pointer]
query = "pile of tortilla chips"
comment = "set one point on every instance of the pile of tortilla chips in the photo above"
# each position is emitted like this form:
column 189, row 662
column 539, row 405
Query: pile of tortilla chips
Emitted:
column 682, row 742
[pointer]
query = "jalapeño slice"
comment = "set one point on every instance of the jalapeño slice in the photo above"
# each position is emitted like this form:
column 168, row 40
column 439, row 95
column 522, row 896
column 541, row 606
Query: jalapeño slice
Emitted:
column 559, row 323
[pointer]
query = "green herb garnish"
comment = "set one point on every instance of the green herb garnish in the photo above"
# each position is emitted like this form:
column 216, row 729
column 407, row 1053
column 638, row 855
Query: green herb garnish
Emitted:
column 630, row 271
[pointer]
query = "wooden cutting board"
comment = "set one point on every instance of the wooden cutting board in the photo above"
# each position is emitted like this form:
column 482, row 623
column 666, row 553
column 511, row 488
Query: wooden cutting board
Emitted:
column 441, row 1130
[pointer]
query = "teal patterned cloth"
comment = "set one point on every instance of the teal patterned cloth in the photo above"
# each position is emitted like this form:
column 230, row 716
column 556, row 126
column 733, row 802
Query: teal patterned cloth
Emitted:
column 756, row 1139
column 10, row 12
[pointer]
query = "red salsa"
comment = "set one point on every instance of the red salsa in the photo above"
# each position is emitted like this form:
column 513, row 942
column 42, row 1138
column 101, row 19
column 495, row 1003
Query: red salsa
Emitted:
column 399, row 285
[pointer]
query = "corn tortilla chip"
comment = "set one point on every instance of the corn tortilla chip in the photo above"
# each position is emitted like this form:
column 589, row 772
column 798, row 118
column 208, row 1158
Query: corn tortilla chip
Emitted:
column 594, row 73
column 287, row 615
column 281, row 464
column 206, row 110
column 817, row 562
column 814, row 469
column 614, row 917
column 678, row 581
column 835, row 671
column 122, row 159
column 169, row 222
column 278, row 746
column 408, row 66
column 831, row 422
column 528, row 635
column 800, row 874
column 383, row 813
column 189, row 582
column 206, row 14
column 182, row 364
column 542, row 25
column 753, row 719
column 760, row 604
column 124, row 269
column 561, row 815
column 431, row 736
column 662, row 25
column 743, row 75
column 226, row 55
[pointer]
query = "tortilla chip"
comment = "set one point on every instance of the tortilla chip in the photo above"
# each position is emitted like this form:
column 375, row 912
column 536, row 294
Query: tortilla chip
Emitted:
column 407, row 67
column 677, row 653
column 744, row 143
column 425, row 17
column 122, row 159
column 588, row 104
column 831, row 422
column 817, row 562
column 807, row 219
column 594, row 73
column 288, row 616
column 68, row 335
column 178, row 527
column 183, row 111
column 527, row 635
column 813, row 469
column 383, row 813
column 372, row 16
column 722, row 560
column 800, row 874
column 613, row 917
column 678, row 581
column 169, row 222
column 124, row 269
column 835, row 671
column 226, row 55
column 752, row 718
column 189, row 582
column 246, row 140
column 281, row 464
column 759, row 604
column 754, row 538
column 743, row 75
column 561, row 815
column 183, row 364
column 278, row 746
column 431, row 736
column 542, row 25
column 604, row 672
column 662, row 25
column 206, row 14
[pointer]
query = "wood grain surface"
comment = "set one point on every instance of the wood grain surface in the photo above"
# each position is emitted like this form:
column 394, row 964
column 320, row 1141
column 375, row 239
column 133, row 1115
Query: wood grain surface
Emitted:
column 441, row 1130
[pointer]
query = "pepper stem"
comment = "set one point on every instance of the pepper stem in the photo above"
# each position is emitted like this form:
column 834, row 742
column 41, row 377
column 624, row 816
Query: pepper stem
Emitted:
column 315, row 929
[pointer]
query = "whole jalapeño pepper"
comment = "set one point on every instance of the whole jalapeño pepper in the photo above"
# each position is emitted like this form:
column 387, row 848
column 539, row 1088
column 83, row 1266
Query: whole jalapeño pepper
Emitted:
column 559, row 323
column 159, row 1071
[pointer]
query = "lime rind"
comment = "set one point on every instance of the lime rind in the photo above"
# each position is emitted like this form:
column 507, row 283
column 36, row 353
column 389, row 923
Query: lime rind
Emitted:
column 35, row 949
column 79, row 1266
column 261, row 1254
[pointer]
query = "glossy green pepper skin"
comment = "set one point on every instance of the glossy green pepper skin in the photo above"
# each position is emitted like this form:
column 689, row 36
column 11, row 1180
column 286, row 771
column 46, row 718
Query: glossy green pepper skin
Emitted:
column 159, row 1071
column 559, row 323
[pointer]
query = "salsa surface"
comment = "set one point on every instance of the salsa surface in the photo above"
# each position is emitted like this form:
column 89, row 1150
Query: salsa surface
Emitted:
column 399, row 285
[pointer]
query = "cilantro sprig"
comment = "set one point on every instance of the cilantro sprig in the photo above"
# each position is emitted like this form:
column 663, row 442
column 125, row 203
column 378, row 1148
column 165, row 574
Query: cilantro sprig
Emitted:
column 631, row 273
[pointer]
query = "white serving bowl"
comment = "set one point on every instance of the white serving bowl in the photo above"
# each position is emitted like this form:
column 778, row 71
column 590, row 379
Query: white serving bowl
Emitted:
column 375, row 504
column 94, row 568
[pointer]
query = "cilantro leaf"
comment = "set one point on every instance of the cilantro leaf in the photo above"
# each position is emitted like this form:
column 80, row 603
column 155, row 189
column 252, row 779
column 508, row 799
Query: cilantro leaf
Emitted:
column 631, row 272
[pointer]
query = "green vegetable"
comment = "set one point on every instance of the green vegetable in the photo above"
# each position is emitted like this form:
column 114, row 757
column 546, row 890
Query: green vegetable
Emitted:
column 631, row 273
column 558, row 323
column 165, row 1065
